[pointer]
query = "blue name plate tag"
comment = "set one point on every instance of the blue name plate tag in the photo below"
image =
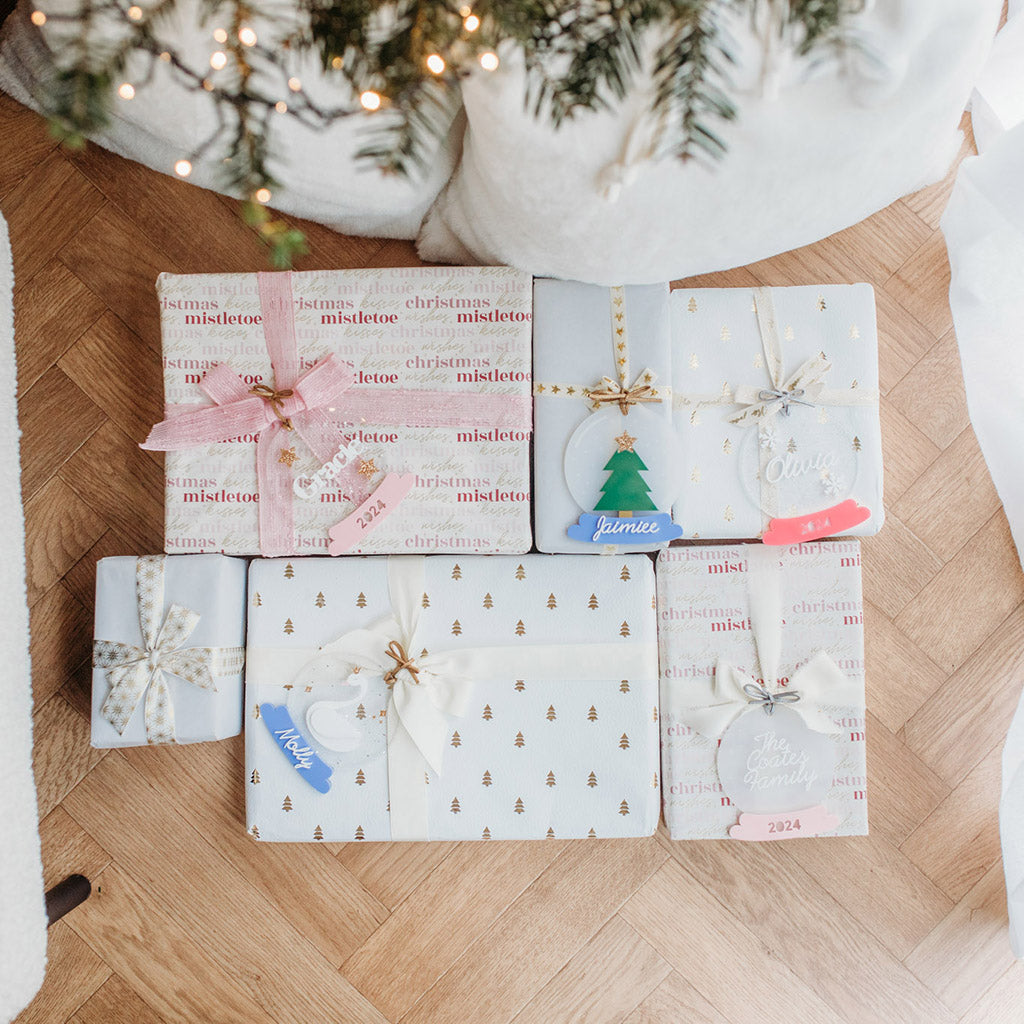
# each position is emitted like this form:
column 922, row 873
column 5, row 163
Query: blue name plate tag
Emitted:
column 296, row 747
column 596, row 529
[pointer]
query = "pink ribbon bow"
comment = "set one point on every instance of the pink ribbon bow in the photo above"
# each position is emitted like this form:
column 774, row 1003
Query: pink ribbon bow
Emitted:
column 297, row 402
column 314, row 405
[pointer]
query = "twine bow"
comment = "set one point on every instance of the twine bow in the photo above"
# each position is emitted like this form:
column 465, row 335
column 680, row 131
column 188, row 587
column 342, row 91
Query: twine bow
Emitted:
column 614, row 391
column 795, row 396
column 132, row 671
column 402, row 661
column 760, row 694
column 275, row 399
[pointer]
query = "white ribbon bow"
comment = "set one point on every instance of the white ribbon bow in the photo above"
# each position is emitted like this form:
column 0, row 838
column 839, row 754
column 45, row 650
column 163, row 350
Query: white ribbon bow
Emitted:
column 428, row 685
column 132, row 670
column 818, row 681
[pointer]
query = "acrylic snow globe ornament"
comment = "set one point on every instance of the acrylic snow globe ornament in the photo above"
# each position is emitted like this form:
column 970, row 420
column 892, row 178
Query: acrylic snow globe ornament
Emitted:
column 621, row 469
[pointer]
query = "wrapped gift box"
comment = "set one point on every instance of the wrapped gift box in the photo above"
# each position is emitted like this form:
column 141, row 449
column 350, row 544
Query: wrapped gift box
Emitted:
column 800, row 375
column 169, row 649
column 440, row 364
column 721, row 610
column 539, row 677
column 605, row 461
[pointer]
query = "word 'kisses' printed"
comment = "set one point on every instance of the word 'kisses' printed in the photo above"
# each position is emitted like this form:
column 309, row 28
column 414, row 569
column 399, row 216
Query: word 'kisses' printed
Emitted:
column 789, row 466
column 310, row 488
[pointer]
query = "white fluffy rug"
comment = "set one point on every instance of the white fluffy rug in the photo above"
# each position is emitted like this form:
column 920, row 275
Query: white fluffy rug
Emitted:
column 22, row 912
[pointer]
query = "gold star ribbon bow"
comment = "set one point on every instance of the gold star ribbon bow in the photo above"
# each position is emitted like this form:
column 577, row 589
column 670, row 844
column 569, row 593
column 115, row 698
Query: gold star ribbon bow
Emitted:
column 132, row 671
column 613, row 391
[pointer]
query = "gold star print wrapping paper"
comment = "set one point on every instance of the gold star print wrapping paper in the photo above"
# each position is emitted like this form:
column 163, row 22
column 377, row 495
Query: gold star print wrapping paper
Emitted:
column 530, row 756
column 213, row 586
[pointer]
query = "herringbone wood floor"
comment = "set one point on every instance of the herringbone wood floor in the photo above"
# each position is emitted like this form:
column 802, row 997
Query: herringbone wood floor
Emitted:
column 193, row 922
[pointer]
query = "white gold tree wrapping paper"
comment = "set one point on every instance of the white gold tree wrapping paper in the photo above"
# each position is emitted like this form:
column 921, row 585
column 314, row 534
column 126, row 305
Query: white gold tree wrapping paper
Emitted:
column 567, row 750
column 169, row 649
column 726, row 609
column 775, row 392
column 412, row 337
column 602, row 397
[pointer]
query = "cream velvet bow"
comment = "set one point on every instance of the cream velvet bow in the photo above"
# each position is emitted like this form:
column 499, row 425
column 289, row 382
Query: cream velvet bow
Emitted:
column 818, row 681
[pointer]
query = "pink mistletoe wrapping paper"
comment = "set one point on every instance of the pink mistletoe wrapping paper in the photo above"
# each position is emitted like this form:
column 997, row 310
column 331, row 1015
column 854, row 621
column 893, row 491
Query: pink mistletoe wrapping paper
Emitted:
column 762, row 691
column 398, row 401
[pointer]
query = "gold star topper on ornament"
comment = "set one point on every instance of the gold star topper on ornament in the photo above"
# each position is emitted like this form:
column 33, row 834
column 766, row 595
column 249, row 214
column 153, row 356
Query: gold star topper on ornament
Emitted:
column 625, row 441
column 287, row 457
column 367, row 468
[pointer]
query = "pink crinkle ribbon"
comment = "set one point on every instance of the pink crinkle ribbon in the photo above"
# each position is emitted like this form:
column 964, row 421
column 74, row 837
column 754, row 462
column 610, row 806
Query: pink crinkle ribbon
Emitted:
column 315, row 405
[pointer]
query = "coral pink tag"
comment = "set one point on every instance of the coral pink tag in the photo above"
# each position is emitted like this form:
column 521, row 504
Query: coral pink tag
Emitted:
column 384, row 500
column 763, row 828
column 826, row 523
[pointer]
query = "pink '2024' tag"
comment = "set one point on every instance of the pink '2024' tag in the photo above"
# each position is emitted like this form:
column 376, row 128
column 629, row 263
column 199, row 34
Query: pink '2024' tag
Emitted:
column 378, row 506
column 826, row 523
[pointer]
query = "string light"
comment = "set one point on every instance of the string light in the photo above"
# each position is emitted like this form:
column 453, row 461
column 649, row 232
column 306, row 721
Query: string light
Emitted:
column 219, row 58
column 435, row 63
column 183, row 168
column 465, row 11
column 220, row 35
column 336, row 63
column 165, row 56
column 246, row 36
column 38, row 19
column 472, row 23
column 281, row 107
column 489, row 61
column 294, row 84
column 135, row 13
column 262, row 195
column 370, row 100
column 126, row 91
column 207, row 85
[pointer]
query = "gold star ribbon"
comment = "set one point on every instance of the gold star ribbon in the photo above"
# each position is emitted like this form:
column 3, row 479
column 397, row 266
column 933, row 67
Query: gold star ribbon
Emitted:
column 132, row 671
column 613, row 391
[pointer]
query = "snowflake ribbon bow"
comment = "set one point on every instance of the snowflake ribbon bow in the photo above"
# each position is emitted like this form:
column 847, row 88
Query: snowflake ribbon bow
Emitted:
column 132, row 671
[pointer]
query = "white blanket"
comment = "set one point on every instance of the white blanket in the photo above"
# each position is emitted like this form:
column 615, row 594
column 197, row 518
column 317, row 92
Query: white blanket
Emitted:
column 839, row 143
column 984, row 229
column 23, row 915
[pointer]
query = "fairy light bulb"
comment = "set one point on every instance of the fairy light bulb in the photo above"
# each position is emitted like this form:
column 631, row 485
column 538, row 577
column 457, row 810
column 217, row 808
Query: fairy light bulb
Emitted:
column 370, row 100
column 126, row 91
column 183, row 168
column 165, row 57
column 471, row 23
column 135, row 13
column 465, row 11
column 262, row 195
column 489, row 61
column 336, row 63
column 294, row 84
column 220, row 35
column 247, row 36
column 207, row 85
column 218, row 59
column 38, row 19
column 281, row 107
column 435, row 63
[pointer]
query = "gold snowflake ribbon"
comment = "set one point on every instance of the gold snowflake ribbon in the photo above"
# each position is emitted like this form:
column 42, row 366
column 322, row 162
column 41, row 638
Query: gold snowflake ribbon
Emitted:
column 132, row 671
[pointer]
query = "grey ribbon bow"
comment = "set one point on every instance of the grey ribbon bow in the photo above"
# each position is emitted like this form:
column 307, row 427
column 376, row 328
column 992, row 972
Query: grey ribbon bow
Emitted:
column 760, row 694
column 795, row 396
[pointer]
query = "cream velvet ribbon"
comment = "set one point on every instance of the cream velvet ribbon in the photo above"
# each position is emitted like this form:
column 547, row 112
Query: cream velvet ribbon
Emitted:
column 131, row 670
column 818, row 681
column 442, row 682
